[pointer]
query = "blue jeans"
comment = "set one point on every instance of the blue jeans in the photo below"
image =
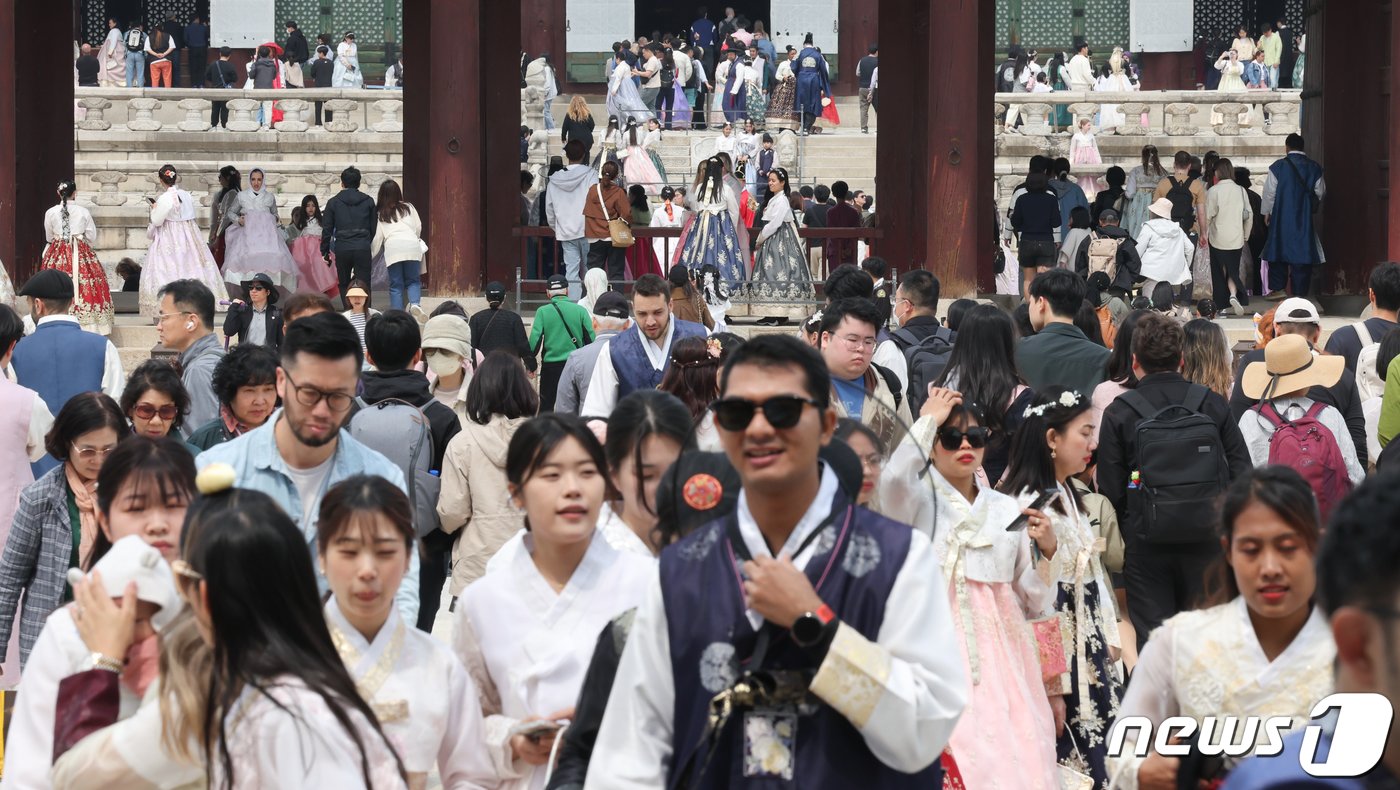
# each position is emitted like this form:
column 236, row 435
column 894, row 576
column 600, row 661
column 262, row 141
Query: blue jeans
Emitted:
column 548, row 115
column 1272, row 75
column 404, row 276
column 575, row 252
column 135, row 69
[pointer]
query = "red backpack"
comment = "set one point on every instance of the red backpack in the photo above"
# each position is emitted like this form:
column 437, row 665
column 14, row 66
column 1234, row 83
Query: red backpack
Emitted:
column 1309, row 448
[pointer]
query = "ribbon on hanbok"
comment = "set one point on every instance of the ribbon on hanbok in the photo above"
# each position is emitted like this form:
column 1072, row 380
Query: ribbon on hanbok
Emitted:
column 966, row 534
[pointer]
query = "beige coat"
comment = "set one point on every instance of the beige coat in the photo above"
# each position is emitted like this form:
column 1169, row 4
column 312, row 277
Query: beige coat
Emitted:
column 1229, row 215
column 474, row 503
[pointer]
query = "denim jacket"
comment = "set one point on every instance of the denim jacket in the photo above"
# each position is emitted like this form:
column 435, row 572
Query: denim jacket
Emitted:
column 258, row 465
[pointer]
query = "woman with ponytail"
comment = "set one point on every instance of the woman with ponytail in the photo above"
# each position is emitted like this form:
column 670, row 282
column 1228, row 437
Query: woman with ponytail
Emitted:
column 713, row 238
column 70, row 232
column 780, row 272
column 177, row 252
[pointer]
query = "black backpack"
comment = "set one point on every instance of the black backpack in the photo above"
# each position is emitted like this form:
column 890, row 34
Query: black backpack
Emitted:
column 1181, row 470
column 1183, row 208
column 927, row 360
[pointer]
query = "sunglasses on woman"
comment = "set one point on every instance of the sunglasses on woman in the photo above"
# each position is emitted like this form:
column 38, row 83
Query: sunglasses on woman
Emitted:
column 146, row 411
column 952, row 438
column 735, row 414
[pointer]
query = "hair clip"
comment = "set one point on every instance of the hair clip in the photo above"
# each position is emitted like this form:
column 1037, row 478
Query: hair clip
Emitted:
column 1068, row 399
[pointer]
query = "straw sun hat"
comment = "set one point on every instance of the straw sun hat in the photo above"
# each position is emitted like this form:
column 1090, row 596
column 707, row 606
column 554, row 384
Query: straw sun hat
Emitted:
column 1289, row 365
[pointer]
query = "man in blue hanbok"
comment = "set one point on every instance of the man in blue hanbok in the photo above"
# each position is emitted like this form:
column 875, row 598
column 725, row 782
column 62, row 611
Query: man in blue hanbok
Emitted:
column 813, row 82
column 1293, row 192
column 797, row 642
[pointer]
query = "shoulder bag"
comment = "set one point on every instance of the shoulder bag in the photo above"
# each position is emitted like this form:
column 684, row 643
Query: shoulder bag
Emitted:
column 618, row 229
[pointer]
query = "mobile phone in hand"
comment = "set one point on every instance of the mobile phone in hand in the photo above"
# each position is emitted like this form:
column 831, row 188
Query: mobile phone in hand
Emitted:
column 1022, row 521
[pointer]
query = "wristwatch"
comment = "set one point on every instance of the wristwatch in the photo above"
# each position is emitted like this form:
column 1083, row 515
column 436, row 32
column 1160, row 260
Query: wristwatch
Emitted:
column 808, row 629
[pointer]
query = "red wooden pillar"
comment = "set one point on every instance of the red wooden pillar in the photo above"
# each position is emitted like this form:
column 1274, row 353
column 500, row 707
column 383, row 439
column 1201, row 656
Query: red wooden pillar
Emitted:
column 36, row 123
column 934, row 166
column 1391, row 88
column 461, row 154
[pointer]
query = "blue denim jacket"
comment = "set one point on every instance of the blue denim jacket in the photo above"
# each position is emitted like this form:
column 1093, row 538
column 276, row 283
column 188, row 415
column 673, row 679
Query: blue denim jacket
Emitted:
column 258, row 465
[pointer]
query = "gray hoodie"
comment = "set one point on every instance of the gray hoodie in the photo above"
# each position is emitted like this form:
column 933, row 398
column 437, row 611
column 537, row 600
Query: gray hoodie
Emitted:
column 563, row 200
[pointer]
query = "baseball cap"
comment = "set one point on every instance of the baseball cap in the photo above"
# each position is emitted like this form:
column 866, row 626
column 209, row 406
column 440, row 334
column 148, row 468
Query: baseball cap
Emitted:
column 612, row 304
column 495, row 292
column 1109, row 214
column 48, row 284
column 1296, row 310
column 558, row 282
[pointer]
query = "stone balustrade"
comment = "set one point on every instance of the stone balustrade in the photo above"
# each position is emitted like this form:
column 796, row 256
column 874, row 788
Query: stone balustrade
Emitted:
column 1149, row 113
column 378, row 112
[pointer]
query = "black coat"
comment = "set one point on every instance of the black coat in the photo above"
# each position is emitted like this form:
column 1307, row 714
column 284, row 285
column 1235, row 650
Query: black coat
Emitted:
column 322, row 71
column 498, row 329
column 1129, row 262
column 578, row 130
column 240, row 318
column 297, row 48
column 351, row 219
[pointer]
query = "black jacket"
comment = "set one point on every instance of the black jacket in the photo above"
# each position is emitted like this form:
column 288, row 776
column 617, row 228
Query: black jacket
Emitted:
column 351, row 219
column 296, row 47
column 412, row 387
column 1036, row 216
column 321, row 73
column 1118, row 444
column 1129, row 262
column 1343, row 396
column 498, row 329
column 220, row 74
column 921, row 326
column 240, row 318
column 577, row 130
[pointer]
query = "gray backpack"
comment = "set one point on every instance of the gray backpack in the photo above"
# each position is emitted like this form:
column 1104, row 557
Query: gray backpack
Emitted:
column 400, row 431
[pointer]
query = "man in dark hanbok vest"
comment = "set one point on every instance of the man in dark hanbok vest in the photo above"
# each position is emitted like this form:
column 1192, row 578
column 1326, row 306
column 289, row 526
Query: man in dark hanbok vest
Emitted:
column 813, row 82
column 827, row 667
column 1293, row 192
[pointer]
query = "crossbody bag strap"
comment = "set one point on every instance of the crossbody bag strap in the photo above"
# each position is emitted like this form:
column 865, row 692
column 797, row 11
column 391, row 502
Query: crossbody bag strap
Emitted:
column 603, row 203
column 565, row 322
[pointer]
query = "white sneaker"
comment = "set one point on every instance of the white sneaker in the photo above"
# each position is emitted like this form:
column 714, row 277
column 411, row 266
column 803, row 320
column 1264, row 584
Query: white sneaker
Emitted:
column 1235, row 306
column 417, row 312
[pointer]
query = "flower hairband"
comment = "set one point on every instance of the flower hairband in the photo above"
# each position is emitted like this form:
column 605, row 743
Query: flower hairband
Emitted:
column 1068, row 399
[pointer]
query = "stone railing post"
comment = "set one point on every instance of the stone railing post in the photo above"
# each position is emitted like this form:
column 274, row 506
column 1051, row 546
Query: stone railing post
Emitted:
column 293, row 115
column 143, row 115
column 344, row 120
column 1229, row 113
column 390, row 110
column 1037, row 118
column 372, row 182
column 324, row 182
column 243, row 115
column 1283, row 118
column 1083, row 110
column 211, row 188
column 1132, row 118
column 1177, row 121
column 93, row 120
column 998, row 113
column 107, row 194
column 196, row 111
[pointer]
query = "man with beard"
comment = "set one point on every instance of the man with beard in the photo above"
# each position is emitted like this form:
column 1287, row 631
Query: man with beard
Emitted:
column 303, row 449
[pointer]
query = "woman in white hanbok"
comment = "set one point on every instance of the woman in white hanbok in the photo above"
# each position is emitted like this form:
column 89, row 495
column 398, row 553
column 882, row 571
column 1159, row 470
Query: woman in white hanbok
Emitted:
column 419, row 691
column 1116, row 81
column 346, row 73
column 1265, row 649
column 177, row 251
column 527, row 630
column 669, row 214
column 254, row 241
column 624, row 100
column 111, row 58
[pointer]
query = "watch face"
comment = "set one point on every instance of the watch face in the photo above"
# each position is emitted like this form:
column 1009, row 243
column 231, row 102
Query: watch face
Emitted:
column 807, row 629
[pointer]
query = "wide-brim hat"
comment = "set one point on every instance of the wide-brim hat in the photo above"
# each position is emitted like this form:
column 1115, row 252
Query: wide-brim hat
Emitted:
column 266, row 282
column 1289, row 365
column 1161, row 207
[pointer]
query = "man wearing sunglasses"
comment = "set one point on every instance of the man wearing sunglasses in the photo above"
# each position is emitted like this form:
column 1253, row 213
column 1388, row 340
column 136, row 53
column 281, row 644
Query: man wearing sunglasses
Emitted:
column 783, row 607
column 303, row 449
column 861, row 389
column 185, row 324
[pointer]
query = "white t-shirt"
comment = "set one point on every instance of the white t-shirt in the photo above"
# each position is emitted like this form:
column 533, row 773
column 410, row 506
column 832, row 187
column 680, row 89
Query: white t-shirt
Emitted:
column 447, row 397
column 309, row 483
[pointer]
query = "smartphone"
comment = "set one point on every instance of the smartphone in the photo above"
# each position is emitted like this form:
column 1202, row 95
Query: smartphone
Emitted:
column 1022, row 521
column 151, row 201
column 534, row 729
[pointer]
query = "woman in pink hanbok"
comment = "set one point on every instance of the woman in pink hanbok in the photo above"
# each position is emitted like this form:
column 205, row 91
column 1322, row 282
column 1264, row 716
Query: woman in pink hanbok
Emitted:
column 314, row 275
column 1084, row 150
column 998, row 583
column 637, row 166
column 177, row 251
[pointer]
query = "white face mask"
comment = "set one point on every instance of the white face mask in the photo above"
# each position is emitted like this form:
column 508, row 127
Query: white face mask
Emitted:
column 444, row 363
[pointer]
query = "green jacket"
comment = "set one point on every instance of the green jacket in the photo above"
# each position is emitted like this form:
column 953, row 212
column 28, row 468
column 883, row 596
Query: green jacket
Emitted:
column 553, row 325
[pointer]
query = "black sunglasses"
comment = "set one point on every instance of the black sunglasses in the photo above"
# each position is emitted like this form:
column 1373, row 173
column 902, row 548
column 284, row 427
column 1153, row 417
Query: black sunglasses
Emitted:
column 735, row 414
column 952, row 438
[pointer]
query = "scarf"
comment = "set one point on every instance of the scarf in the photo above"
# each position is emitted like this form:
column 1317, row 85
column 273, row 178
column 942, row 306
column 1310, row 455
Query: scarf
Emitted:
column 142, row 665
column 231, row 423
column 83, row 497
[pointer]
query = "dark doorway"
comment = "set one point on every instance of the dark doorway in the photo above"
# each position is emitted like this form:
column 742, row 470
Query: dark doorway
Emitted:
column 675, row 16
column 1269, row 12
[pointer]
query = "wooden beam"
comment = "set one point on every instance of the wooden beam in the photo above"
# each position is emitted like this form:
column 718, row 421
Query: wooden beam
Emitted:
column 36, row 122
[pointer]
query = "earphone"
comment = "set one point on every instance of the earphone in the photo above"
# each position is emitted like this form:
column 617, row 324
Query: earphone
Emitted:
column 189, row 326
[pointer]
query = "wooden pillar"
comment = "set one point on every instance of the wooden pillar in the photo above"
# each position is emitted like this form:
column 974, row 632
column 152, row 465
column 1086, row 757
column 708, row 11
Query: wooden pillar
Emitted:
column 1391, row 87
column 461, row 153
column 859, row 28
column 36, row 122
column 542, row 30
column 934, row 167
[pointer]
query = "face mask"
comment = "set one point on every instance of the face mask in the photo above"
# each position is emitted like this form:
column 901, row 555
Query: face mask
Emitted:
column 444, row 363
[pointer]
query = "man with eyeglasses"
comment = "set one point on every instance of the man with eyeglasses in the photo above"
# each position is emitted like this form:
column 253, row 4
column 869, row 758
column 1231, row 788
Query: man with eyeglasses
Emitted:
column 861, row 389
column 185, row 324
column 303, row 450
column 813, row 628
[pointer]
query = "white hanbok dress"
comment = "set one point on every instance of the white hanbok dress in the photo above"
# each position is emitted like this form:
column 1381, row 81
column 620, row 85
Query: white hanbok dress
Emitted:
column 624, row 100
column 111, row 61
column 346, row 73
column 178, row 250
column 257, row 245
column 423, row 697
column 1208, row 662
column 528, row 647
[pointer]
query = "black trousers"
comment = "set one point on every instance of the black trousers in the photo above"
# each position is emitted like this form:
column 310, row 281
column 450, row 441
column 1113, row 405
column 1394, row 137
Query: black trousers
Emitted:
column 434, row 556
column 603, row 254
column 218, row 113
column 352, row 265
column 1164, row 580
column 328, row 114
column 549, row 384
column 198, row 62
column 1224, row 269
column 666, row 105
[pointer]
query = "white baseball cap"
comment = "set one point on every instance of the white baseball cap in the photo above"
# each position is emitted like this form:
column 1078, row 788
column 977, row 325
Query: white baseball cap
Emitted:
column 1296, row 310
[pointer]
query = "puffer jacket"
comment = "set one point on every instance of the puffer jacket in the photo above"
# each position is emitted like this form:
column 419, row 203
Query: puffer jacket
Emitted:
column 475, row 504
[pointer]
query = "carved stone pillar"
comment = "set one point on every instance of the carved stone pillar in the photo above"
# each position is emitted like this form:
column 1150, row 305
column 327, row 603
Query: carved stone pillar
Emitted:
column 1132, row 118
column 390, row 110
column 1037, row 118
column 93, row 120
column 1083, row 110
column 998, row 112
column 1228, row 124
column 196, row 115
column 1178, row 119
column 293, row 115
column 344, row 110
column 107, row 194
column 143, row 115
column 1283, row 118
column 243, row 115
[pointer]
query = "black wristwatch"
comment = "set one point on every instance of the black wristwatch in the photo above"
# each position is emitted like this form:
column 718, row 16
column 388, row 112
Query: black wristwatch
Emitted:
column 809, row 629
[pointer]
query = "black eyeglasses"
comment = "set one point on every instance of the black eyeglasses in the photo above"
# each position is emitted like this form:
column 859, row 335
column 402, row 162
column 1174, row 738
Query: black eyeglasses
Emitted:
column 952, row 438
column 735, row 414
column 310, row 396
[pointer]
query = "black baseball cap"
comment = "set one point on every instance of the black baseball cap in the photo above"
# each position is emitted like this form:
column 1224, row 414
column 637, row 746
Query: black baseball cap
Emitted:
column 558, row 282
column 48, row 284
column 495, row 292
column 612, row 304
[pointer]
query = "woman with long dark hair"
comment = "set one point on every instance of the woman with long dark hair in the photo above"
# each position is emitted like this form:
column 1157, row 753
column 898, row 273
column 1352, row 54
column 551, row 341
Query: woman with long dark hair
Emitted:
column 686, row 302
column 1261, row 649
column 713, row 238
column 314, row 274
column 646, row 434
column 399, row 236
column 527, row 629
column 605, row 202
column 70, row 233
column 641, row 257
column 223, row 210
column 693, row 377
column 1142, row 183
column 177, row 250
column 255, row 244
column 637, row 167
column 982, row 367
column 1054, row 444
column 780, row 271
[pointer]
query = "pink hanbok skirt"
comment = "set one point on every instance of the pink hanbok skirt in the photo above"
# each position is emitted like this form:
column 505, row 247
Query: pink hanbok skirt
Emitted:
column 314, row 275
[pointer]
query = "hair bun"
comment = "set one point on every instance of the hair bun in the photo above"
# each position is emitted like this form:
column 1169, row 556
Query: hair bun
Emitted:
column 215, row 479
